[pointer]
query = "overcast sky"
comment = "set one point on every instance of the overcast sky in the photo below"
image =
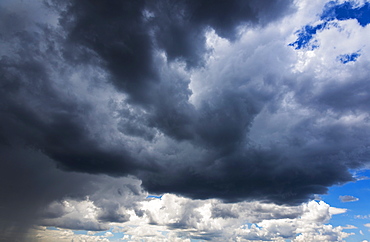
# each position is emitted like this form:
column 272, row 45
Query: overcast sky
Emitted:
column 243, row 114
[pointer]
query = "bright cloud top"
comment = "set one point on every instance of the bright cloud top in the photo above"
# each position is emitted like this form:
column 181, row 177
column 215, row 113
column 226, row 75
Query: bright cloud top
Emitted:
column 179, row 218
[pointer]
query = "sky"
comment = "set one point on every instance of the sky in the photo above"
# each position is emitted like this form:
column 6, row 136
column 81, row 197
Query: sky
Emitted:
column 249, row 117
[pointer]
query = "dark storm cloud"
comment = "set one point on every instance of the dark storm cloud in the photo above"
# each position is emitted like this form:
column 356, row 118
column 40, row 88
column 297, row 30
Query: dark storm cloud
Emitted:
column 179, row 26
column 356, row 93
column 126, row 33
column 266, row 176
column 33, row 188
column 30, row 182
column 116, row 31
column 58, row 128
column 157, row 134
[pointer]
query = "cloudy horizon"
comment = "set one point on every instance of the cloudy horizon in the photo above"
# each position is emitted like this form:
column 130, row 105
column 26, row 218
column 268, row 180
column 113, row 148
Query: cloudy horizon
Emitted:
column 245, row 115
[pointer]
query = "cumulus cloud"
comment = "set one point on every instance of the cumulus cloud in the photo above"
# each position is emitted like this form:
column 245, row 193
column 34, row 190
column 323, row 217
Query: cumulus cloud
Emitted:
column 45, row 235
column 205, row 100
column 183, row 218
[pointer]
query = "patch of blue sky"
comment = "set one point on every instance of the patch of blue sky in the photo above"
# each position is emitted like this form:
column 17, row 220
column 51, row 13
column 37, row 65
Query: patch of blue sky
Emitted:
column 101, row 233
column 306, row 34
column 115, row 236
column 347, row 10
column 51, row 228
column 358, row 212
column 165, row 233
column 332, row 11
column 348, row 57
column 80, row 232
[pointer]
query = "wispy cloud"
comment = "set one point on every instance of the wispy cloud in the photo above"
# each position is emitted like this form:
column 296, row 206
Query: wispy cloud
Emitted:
column 348, row 198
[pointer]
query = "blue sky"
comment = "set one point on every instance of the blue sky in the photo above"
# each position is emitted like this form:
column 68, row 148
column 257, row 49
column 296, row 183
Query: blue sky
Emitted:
column 357, row 210
column 250, row 119
column 332, row 13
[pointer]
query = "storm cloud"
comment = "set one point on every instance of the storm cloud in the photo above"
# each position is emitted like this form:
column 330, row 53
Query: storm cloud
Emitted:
column 202, row 99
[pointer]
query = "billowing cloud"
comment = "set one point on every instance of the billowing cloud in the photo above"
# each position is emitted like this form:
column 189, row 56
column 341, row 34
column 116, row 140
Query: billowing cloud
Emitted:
column 175, row 218
column 201, row 99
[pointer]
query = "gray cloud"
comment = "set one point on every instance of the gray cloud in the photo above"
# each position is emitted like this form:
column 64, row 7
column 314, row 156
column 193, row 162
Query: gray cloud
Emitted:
column 122, row 35
column 133, row 88
column 30, row 182
column 348, row 198
column 223, row 212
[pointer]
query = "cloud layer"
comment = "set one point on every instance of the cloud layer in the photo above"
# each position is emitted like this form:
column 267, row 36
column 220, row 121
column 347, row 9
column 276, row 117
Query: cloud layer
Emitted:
column 202, row 99
column 182, row 218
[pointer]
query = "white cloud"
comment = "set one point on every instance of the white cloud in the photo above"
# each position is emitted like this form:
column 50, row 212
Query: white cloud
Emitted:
column 349, row 227
column 78, row 215
column 177, row 218
column 323, row 233
column 42, row 234
column 335, row 211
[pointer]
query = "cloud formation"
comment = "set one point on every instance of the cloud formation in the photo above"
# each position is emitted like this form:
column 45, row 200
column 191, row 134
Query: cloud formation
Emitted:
column 348, row 198
column 182, row 218
column 202, row 99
